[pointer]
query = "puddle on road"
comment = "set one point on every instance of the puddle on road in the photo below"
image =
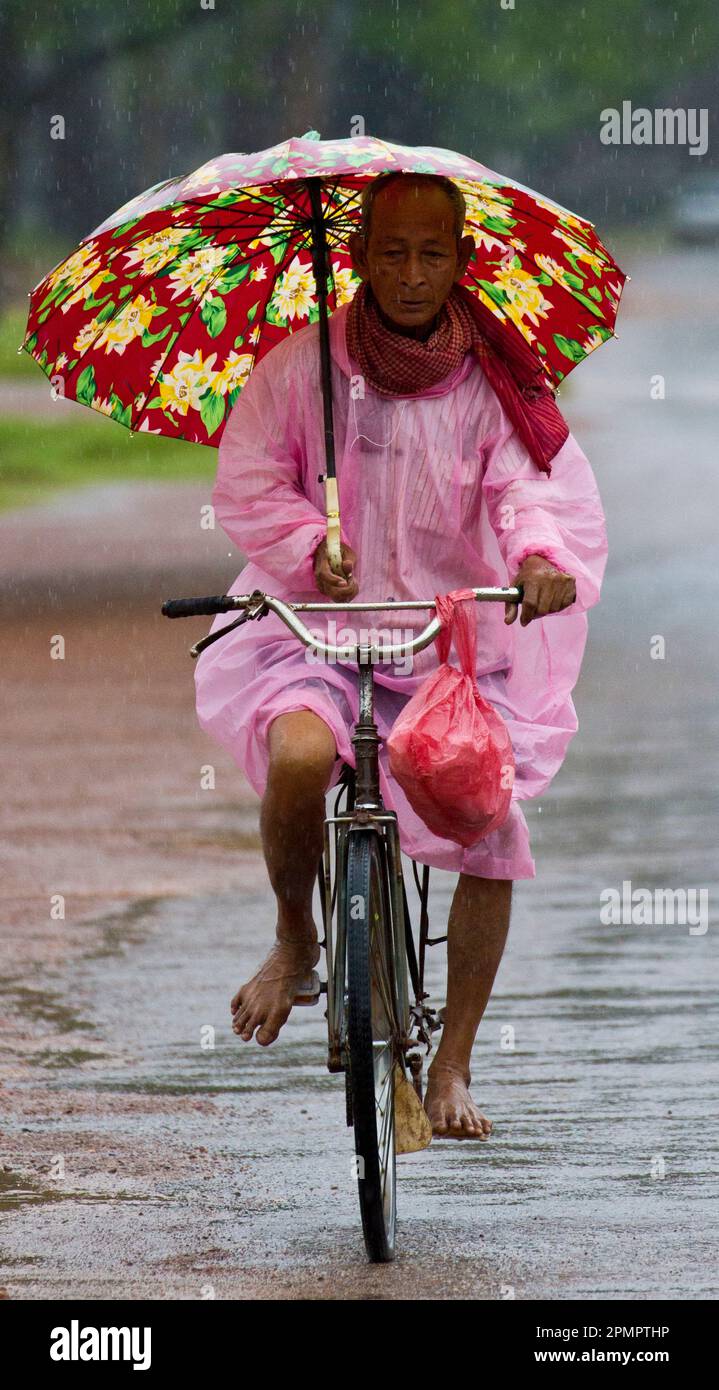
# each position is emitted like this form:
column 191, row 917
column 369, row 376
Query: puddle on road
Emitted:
column 59, row 1058
column 44, row 1006
column 17, row 1189
column 126, row 928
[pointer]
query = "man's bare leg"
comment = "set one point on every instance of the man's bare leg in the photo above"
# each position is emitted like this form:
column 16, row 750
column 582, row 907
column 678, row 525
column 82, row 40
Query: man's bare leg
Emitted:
column 477, row 932
column 302, row 755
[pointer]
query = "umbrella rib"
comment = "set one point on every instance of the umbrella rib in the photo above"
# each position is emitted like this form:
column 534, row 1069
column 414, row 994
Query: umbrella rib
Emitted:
column 278, row 215
column 328, row 220
column 201, row 199
column 234, row 226
column 296, row 204
column 334, row 221
column 351, row 191
column 245, row 192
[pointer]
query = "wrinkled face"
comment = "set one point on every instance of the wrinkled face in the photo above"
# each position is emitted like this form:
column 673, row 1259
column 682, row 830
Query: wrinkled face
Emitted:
column 412, row 258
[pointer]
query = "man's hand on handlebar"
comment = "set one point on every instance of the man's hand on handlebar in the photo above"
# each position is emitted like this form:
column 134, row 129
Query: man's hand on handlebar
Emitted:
column 545, row 590
column 340, row 589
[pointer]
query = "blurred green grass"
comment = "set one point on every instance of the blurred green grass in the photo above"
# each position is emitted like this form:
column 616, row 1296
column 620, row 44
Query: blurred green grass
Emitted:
column 12, row 331
column 39, row 456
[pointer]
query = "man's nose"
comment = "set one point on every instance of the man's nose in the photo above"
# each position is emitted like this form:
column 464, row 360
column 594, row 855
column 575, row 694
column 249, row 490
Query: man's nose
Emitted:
column 412, row 272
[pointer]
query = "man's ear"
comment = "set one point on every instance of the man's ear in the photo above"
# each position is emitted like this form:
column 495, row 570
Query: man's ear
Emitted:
column 466, row 250
column 358, row 254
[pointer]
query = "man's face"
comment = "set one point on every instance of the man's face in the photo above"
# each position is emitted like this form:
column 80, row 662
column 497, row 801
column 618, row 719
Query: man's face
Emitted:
column 412, row 258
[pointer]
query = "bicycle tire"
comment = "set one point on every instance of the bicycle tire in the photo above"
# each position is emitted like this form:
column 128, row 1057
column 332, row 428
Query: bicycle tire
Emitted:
column 372, row 1042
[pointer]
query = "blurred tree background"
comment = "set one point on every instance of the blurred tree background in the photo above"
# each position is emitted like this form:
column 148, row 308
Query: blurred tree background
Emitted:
column 152, row 90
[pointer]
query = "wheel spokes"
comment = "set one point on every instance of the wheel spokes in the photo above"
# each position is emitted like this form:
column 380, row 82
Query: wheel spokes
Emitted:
column 384, row 1096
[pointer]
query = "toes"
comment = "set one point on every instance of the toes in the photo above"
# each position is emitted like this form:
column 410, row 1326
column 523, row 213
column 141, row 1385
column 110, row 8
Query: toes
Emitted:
column 457, row 1120
column 252, row 1018
column 245, row 1022
column 271, row 1027
column 453, row 1115
column 474, row 1124
column 457, row 1124
column 240, row 1019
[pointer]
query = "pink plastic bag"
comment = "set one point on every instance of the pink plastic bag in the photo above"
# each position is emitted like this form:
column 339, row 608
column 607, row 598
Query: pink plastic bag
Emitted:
column 449, row 749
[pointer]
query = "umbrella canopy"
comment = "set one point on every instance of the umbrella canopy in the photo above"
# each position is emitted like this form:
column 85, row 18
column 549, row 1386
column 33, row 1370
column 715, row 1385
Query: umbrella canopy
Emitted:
column 159, row 316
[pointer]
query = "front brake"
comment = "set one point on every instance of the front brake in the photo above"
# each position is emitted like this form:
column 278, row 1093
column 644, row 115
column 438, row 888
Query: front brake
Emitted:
column 256, row 608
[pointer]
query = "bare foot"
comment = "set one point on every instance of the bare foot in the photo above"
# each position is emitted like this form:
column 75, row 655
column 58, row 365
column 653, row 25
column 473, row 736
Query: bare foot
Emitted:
column 264, row 1003
column 452, row 1112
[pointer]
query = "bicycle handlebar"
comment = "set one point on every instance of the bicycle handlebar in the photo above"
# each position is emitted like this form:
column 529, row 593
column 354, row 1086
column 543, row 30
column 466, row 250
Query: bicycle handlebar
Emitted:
column 198, row 607
column 258, row 604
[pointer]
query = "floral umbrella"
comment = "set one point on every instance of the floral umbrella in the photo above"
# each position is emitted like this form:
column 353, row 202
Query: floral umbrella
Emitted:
column 159, row 316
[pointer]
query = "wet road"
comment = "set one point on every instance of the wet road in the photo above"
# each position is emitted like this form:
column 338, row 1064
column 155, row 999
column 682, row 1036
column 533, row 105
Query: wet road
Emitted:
column 138, row 1159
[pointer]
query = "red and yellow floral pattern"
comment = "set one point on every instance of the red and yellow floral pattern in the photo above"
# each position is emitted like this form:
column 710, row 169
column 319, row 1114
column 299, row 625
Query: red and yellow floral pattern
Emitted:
column 158, row 318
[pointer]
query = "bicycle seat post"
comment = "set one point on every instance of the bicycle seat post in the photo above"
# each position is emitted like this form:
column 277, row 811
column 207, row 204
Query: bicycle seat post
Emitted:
column 365, row 740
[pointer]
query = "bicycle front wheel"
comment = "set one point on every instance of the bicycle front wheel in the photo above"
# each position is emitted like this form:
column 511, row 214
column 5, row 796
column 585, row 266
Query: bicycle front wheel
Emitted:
column 372, row 1037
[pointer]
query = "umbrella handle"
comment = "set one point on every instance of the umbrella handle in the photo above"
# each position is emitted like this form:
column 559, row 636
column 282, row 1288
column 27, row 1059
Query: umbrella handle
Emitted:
column 320, row 269
column 332, row 505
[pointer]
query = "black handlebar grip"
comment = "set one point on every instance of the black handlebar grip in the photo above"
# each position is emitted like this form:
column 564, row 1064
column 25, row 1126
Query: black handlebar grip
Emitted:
column 197, row 607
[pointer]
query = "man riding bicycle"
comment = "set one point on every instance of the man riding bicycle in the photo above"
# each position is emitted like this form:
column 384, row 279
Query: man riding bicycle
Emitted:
column 450, row 476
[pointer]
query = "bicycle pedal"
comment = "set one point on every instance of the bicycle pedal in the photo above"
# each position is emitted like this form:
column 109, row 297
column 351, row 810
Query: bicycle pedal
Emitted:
column 310, row 991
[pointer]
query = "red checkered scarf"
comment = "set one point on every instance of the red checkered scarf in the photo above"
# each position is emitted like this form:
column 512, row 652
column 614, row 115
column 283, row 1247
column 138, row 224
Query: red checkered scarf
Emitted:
column 398, row 365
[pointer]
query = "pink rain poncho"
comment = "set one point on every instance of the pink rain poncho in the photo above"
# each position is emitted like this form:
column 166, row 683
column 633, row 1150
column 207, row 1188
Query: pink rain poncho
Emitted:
column 436, row 493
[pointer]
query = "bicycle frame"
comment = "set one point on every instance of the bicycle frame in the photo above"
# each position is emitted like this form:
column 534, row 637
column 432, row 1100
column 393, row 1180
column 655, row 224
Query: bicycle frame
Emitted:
column 367, row 808
column 374, row 1034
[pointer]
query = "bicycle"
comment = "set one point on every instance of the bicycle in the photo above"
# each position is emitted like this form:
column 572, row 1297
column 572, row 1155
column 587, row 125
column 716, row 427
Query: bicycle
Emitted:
column 375, row 1033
